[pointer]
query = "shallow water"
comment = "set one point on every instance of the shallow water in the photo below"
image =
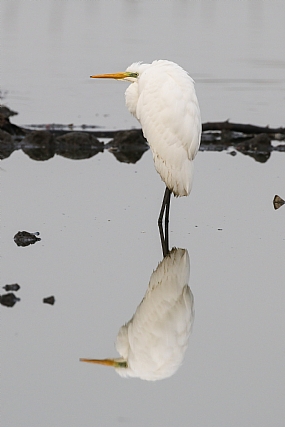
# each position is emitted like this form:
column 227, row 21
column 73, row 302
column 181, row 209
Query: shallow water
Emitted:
column 234, row 52
column 99, row 246
column 97, row 219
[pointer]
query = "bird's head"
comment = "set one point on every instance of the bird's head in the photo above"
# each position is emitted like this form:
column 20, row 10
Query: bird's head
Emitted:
column 132, row 73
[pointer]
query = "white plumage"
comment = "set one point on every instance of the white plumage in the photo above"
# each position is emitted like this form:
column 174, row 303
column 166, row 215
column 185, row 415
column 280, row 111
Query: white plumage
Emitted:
column 152, row 344
column 162, row 97
column 164, row 101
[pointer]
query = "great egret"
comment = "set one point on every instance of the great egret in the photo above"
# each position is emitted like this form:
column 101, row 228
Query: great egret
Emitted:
column 152, row 344
column 163, row 99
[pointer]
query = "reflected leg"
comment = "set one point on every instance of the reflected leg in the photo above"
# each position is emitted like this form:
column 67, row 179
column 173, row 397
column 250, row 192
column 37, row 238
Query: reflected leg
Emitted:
column 163, row 240
column 164, row 236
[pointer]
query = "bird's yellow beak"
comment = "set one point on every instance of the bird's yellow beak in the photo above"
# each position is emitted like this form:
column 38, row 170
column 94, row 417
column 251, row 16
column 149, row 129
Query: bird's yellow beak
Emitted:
column 117, row 76
column 116, row 363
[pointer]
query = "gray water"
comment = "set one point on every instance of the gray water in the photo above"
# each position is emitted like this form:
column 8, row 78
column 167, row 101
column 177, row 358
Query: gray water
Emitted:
column 97, row 218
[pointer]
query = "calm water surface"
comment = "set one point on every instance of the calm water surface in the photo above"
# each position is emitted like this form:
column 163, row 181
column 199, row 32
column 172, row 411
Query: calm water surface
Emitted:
column 97, row 219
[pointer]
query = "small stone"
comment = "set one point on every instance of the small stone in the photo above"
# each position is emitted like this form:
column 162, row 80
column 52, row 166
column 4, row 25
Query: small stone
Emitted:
column 278, row 202
column 24, row 238
column 12, row 287
column 49, row 300
column 9, row 300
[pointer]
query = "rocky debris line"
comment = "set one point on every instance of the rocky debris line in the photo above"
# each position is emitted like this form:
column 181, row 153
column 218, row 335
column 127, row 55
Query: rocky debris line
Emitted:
column 44, row 141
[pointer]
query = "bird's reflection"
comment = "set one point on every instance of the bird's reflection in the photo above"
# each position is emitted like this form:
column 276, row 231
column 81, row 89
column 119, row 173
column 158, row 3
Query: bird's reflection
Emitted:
column 152, row 344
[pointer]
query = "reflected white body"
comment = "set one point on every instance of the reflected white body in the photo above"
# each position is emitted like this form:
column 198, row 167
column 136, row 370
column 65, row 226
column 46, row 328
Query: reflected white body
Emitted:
column 163, row 98
column 154, row 341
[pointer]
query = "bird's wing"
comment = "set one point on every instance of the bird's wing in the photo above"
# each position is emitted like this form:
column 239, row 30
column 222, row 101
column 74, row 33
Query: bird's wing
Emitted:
column 168, row 111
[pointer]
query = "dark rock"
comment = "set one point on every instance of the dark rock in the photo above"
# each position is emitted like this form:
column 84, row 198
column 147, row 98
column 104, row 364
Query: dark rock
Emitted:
column 5, row 124
column 49, row 300
column 24, row 238
column 12, row 287
column 39, row 145
column 6, row 112
column 78, row 145
column 233, row 153
column 258, row 147
column 128, row 146
column 278, row 202
column 6, row 144
column 9, row 300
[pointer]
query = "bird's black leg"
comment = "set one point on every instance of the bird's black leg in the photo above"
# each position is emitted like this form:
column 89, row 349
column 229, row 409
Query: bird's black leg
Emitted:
column 164, row 235
column 165, row 203
column 166, row 221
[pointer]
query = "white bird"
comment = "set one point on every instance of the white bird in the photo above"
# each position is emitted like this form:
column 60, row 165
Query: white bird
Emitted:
column 163, row 99
column 152, row 344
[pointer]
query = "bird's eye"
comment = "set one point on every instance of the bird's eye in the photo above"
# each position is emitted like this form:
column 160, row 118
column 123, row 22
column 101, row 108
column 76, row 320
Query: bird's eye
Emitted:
column 135, row 75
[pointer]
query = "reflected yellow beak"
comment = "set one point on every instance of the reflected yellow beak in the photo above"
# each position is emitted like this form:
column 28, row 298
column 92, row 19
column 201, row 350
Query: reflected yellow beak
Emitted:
column 117, row 76
column 116, row 363
column 106, row 362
